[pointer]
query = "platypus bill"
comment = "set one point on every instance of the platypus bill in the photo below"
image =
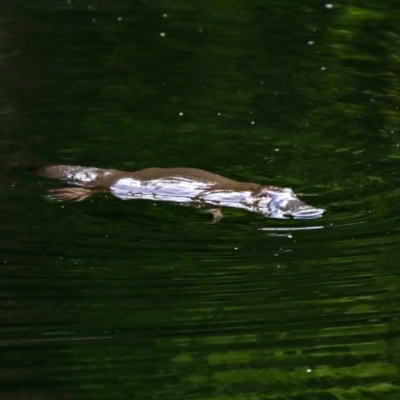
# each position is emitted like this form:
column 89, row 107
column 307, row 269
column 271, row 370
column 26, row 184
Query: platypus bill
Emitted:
column 186, row 186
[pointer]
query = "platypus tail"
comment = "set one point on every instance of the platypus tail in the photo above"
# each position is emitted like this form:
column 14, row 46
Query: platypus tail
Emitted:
column 85, row 176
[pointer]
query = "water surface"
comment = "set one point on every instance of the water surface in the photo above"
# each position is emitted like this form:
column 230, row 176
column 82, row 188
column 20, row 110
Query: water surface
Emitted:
column 111, row 299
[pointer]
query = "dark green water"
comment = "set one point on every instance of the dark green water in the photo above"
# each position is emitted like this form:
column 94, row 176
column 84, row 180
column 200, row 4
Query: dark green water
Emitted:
column 107, row 299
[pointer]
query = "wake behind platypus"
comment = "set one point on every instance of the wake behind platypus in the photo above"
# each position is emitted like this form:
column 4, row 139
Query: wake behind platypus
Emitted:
column 187, row 186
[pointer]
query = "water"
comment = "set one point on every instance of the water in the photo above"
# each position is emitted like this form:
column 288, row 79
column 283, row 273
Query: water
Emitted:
column 111, row 299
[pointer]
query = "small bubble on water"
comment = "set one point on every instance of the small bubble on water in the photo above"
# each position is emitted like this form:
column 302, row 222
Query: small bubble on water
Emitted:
column 328, row 6
column 310, row 42
column 181, row 114
column 165, row 15
column 162, row 34
column 119, row 19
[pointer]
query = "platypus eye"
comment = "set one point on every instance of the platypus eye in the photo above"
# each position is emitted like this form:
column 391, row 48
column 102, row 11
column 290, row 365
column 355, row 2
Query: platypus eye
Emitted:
column 263, row 194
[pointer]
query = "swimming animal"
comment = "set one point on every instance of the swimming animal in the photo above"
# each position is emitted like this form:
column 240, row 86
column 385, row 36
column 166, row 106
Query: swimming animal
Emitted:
column 186, row 186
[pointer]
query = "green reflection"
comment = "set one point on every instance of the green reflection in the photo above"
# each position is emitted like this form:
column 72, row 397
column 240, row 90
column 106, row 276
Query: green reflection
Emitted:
column 110, row 299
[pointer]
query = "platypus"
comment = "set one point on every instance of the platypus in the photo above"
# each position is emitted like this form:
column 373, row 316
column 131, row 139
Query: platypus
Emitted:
column 186, row 186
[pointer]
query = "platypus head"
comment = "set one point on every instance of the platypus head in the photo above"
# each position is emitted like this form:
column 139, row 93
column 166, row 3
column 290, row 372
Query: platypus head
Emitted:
column 276, row 202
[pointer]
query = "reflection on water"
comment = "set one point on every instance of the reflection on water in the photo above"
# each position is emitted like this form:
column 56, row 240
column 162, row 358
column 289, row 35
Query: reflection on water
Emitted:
column 110, row 299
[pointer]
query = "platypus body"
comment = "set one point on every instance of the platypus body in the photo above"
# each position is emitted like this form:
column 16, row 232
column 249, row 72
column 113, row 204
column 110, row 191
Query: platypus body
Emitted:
column 188, row 186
